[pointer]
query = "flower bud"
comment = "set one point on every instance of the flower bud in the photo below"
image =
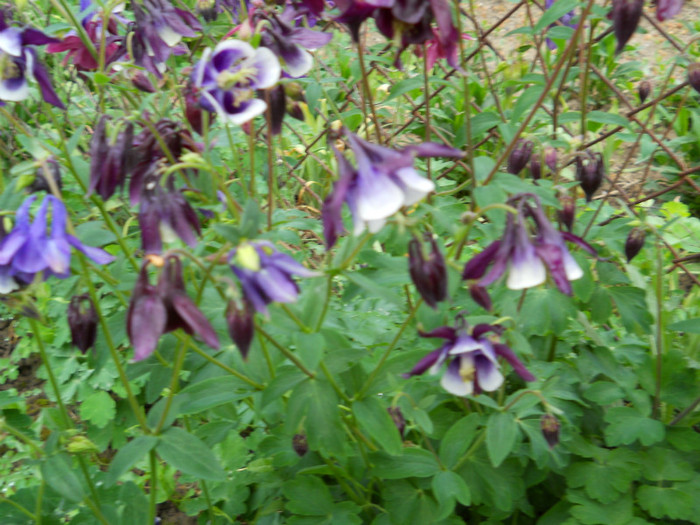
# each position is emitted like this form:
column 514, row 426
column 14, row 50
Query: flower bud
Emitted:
column 519, row 156
column 241, row 327
column 79, row 444
column 398, row 419
column 536, row 168
column 480, row 296
column 193, row 111
column 590, row 171
column 550, row 159
column 141, row 82
column 550, row 429
column 634, row 243
column 82, row 320
column 429, row 275
column 300, row 445
column 643, row 90
column 694, row 76
column 567, row 212
column 625, row 15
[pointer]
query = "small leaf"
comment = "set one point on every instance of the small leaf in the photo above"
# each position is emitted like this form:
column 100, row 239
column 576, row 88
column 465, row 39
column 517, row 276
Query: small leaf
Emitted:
column 59, row 474
column 128, row 456
column 448, row 484
column 458, row 438
column 373, row 418
column 501, row 435
column 691, row 326
column 554, row 13
column 98, row 408
column 626, row 426
column 414, row 462
column 667, row 502
column 308, row 496
column 189, row 454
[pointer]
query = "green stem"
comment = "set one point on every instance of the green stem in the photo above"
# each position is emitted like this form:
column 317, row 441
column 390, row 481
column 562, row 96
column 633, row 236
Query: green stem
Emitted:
column 334, row 383
column 223, row 366
column 473, row 448
column 289, row 355
column 326, row 302
column 659, row 289
column 368, row 93
column 152, row 496
column 29, row 514
column 174, row 381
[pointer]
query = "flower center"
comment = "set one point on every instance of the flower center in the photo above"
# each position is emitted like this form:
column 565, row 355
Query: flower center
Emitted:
column 241, row 78
column 8, row 67
column 467, row 371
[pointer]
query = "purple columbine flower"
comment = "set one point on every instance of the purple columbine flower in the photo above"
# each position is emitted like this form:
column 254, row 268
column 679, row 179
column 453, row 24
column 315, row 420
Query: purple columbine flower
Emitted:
column 82, row 321
column 18, row 62
column 229, row 76
column 110, row 160
column 266, row 274
column 473, row 360
column 429, row 274
column 30, row 248
column 384, row 181
column 158, row 30
column 156, row 310
column 354, row 12
column 526, row 258
column 666, row 9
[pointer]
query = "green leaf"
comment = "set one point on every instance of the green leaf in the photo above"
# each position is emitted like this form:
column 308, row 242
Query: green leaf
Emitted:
column 501, row 435
column 404, row 86
column 603, row 117
column 526, row 101
column 607, row 480
column 211, row 393
column 450, row 485
column 691, row 326
column 604, row 393
column 414, row 462
column 189, row 454
column 667, row 502
column 626, row 426
column 458, row 438
column 373, row 288
column 308, row 496
column 481, row 123
column 310, row 348
column 590, row 512
column 662, row 464
column 128, row 456
column 59, row 474
column 554, row 13
column 373, row 418
column 632, row 305
column 324, row 428
column 98, row 408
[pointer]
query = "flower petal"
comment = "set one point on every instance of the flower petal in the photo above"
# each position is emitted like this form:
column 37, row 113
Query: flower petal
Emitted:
column 195, row 319
column 415, row 187
column 452, row 380
column 489, row 377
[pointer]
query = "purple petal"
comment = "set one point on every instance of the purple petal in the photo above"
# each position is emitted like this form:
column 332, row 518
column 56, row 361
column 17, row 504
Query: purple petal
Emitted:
column 453, row 379
column 146, row 323
column 476, row 266
column 42, row 78
column 508, row 354
column 195, row 319
column 553, row 257
column 34, row 37
column 277, row 285
column 666, row 9
column 97, row 255
column 434, row 358
column 433, row 149
column 580, row 242
column 444, row 332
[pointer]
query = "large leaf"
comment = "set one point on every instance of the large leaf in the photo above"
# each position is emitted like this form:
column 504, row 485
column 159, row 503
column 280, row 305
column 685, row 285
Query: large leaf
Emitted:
column 128, row 456
column 373, row 418
column 501, row 435
column 626, row 425
column 414, row 462
column 189, row 454
column 59, row 474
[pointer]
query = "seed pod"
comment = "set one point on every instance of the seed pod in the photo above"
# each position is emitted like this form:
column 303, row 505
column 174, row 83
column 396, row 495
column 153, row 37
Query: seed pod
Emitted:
column 82, row 320
column 520, row 156
column 625, row 15
column 590, row 171
column 694, row 76
column 549, row 425
column 567, row 212
column 241, row 326
column 644, row 90
column 634, row 243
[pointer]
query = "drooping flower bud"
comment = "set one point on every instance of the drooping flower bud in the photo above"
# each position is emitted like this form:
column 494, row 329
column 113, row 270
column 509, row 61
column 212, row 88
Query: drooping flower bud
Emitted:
column 550, row 429
column 536, row 168
column 398, row 419
column 480, row 296
column 568, row 211
column 694, row 76
column 550, row 159
column 429, row 275
column 634, row 243
column 41, row 182
column 644, row 89
column 241, row 327
column 590, row 171
column 299, row 444
column 82, row 320
column 193, row 111
column 625, row 15
column 142, row 83
column 520, row 156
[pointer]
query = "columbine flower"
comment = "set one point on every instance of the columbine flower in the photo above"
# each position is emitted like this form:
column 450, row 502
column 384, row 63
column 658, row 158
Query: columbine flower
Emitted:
column 634, row 243
column 384, row 181
column 473, row 360
column 354, row 12
column 82, row 321
column 666, row 9
column 156, row 310
column 527, row 259
column 643, row 90
column 241, row 325
column 549, row 424
column 519, row 157
column 590, row 171
column 428, row 274
column 158, row 30
column 18, row 62
column 229, row 76
column 266, row 274
column 164, row 215
column 30, row 248
column 110, row 161
column 625, row 16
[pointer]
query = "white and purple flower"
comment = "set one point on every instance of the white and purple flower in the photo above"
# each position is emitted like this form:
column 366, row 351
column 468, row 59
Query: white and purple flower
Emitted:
column 266, row 274
column 383, row 182
column 473, row 360
column 19, row 62
column 228, row 77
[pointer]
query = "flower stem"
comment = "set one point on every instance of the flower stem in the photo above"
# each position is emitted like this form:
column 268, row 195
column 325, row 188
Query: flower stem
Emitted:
column 368, row 93
column 223, row 366
column 289, row 355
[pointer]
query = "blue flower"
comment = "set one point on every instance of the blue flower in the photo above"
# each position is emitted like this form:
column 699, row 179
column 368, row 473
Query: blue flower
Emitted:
column 229, row 76
column 266, row 274
column 30, row 248
column 18, row 62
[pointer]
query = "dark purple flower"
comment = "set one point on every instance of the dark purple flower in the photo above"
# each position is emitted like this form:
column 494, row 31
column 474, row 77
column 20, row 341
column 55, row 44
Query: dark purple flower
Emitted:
column 472, row 360
column 536, row 168
column 568, row 211
column 590, row 171
column 266, row 274
column 634, row 243
column 527, row 258
column 41, row 179
column 625, row 15
column 429, row 274
column 384, row 181
column 164, row 215
column 550, row 159
column 666, row 9
column 156, row 310
column 398, row 419
column 520, row 156
column 354, row 12
column 19, row 62
column 241, row 325
column 82, row 321
column 30, row 248
column 79, row 54
column 158, row 29
column 229, row 76
column 109, row 161
column 300, row 445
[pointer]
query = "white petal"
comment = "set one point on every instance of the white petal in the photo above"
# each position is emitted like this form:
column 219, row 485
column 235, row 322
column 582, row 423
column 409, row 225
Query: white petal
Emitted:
column 243, row 48
column 13, row 95
column 464, row 345
column 489, row 377
column 169, row 36
column 453, row 383
column 7, row 284
column 375, row 226
column 267, row 65
column 377, row 196
column 199, row 67
column 255, row 107
column 415, row 186
column 526, row 274
column 302, row 67
column 11, row 41
column 571, row 267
